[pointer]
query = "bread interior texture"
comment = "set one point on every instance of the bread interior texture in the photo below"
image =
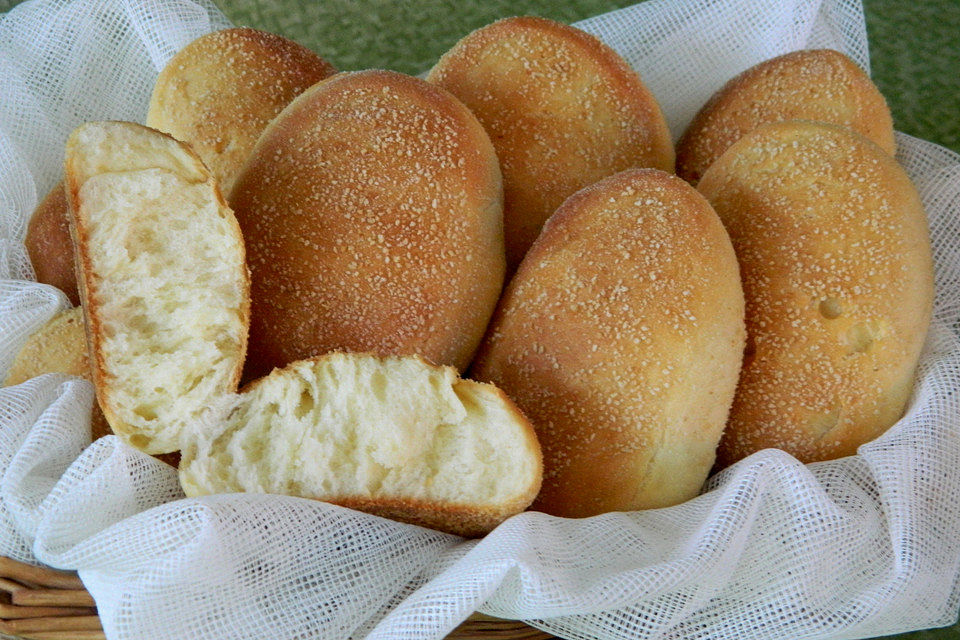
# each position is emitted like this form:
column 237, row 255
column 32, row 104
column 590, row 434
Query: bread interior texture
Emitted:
column 168, row 299
column 342, row 427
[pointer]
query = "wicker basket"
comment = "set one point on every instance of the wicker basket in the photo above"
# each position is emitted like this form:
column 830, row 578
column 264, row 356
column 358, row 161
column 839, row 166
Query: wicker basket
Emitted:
column 43, row 604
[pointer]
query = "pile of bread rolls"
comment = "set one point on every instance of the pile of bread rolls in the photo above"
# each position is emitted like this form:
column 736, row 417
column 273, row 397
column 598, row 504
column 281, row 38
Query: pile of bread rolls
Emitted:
column 342, row 242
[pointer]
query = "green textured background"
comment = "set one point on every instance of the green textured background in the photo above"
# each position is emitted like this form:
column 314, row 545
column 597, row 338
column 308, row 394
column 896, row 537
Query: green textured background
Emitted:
column 914, row 48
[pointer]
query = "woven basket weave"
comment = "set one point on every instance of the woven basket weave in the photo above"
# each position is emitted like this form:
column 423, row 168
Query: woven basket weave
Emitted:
column 42, row 604
column 905, row 37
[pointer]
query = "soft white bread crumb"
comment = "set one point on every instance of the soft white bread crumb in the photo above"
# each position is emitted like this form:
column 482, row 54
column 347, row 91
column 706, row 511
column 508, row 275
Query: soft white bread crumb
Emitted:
column 163, row 280
column 394, row 436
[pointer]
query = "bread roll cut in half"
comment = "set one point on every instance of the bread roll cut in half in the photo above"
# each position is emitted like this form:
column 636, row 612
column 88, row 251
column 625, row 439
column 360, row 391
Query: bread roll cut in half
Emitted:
column 49, row 245
column 835, row 258
column 620, row 338
column 562, row 109
column 60, row 346
column 162, row 277
column 221, row 90
column 392, row 436
column 817, row 84
column 372, row 212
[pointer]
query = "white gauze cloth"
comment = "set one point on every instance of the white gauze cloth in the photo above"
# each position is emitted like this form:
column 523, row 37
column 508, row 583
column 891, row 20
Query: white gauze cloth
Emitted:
column 858, row 547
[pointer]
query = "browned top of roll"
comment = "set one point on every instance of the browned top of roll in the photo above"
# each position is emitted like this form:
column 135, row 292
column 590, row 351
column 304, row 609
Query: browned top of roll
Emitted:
column 49, row 245
column 818, row 84
column 59, row 346
column 835, row 258
column 620, row 337
column 221, row 90
column 371, row 209
column 562, row 109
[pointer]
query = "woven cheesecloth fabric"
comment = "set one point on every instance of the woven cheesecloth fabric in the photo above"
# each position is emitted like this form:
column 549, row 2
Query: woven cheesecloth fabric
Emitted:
column 858, row 547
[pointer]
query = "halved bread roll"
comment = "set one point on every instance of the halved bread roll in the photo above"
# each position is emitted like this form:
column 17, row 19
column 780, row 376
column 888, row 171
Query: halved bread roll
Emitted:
column 60, row 346
column 393, row 436
column 164, row 285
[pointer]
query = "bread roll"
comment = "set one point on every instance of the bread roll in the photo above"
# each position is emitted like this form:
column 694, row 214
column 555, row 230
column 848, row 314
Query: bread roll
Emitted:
column 218, row 94
column 221, row 90
column 372, row 212
column 818, row 84
column 835, row 257
column 620, row 337
column 60, row 346
column 49, row 245
column 563, row 110
column 392, row 436
column 164, row 287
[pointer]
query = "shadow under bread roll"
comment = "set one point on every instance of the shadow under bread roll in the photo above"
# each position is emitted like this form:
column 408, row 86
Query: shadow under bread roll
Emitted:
column 620, row 337
column 563, row 110
column 835, row 257
column 371, row 209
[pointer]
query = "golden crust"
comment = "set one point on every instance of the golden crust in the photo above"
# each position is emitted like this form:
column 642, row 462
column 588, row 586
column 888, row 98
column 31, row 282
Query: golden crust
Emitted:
column 835, row 257
column 88, row 283
column 372, row 211
column 49, row 245
column 620, row 337
column 87, row 288
column 53, row 348
column 563, row 110
column 221, row 90
column 60, row 346
column 468, row 521
column 818, row 84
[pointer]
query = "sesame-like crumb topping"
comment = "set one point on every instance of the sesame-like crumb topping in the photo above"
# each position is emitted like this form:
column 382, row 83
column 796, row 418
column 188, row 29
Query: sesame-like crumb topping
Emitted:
column 371, row 209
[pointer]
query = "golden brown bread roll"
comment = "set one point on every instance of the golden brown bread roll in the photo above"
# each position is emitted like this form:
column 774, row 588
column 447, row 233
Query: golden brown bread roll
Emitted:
column 620, row 337
column 818, row 84
column 563, row 110
column 60, row 346
column 221, row 90
column 372, row 213
column 835, row 258
column 49, row 245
